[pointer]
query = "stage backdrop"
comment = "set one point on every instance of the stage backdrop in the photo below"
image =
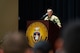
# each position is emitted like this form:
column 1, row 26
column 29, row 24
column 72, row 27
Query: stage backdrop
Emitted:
column 66, row 10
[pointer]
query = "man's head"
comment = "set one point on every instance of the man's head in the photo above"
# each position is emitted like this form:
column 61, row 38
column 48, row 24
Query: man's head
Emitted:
column 71, row 35
column 58, row 43
column 29, row 50
column 42, row 47
column 14, row 43
column 50, row 12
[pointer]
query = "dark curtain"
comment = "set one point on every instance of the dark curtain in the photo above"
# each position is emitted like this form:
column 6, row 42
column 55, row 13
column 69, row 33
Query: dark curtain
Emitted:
column 66, row 10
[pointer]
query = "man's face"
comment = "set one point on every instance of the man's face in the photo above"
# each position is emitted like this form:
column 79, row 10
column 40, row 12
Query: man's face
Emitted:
column 49, row 13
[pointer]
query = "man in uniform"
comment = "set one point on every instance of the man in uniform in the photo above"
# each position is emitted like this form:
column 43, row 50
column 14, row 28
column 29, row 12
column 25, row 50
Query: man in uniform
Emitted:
column 52, row 17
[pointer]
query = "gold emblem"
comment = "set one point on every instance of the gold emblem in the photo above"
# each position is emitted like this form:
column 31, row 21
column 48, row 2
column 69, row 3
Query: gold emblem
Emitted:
column 35, row 32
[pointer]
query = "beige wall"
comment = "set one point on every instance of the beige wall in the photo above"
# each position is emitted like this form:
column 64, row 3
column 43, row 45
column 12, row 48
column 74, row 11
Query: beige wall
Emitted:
column 8, row 16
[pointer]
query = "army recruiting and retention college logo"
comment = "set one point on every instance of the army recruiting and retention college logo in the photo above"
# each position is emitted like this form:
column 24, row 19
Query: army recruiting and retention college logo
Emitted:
column 35, row 32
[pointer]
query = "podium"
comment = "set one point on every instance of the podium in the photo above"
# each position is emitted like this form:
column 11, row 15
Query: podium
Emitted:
column 41, row 30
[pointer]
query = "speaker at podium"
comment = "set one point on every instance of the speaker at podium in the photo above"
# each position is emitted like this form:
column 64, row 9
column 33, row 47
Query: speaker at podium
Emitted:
column 40, row 30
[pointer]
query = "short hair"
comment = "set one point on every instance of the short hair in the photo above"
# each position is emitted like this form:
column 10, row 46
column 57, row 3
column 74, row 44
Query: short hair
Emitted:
column 42, row 46
column 48, row 10
column 14, row 42
column 71, row 36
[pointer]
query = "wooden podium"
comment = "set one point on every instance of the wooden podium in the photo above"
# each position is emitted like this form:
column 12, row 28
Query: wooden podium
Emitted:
column 53, row 29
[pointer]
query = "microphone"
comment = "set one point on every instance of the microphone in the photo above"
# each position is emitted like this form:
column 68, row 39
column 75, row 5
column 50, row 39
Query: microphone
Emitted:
column 44, row 15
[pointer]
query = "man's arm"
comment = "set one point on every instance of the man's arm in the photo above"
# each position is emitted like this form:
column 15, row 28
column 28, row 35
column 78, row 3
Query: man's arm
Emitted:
column 56, row 19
